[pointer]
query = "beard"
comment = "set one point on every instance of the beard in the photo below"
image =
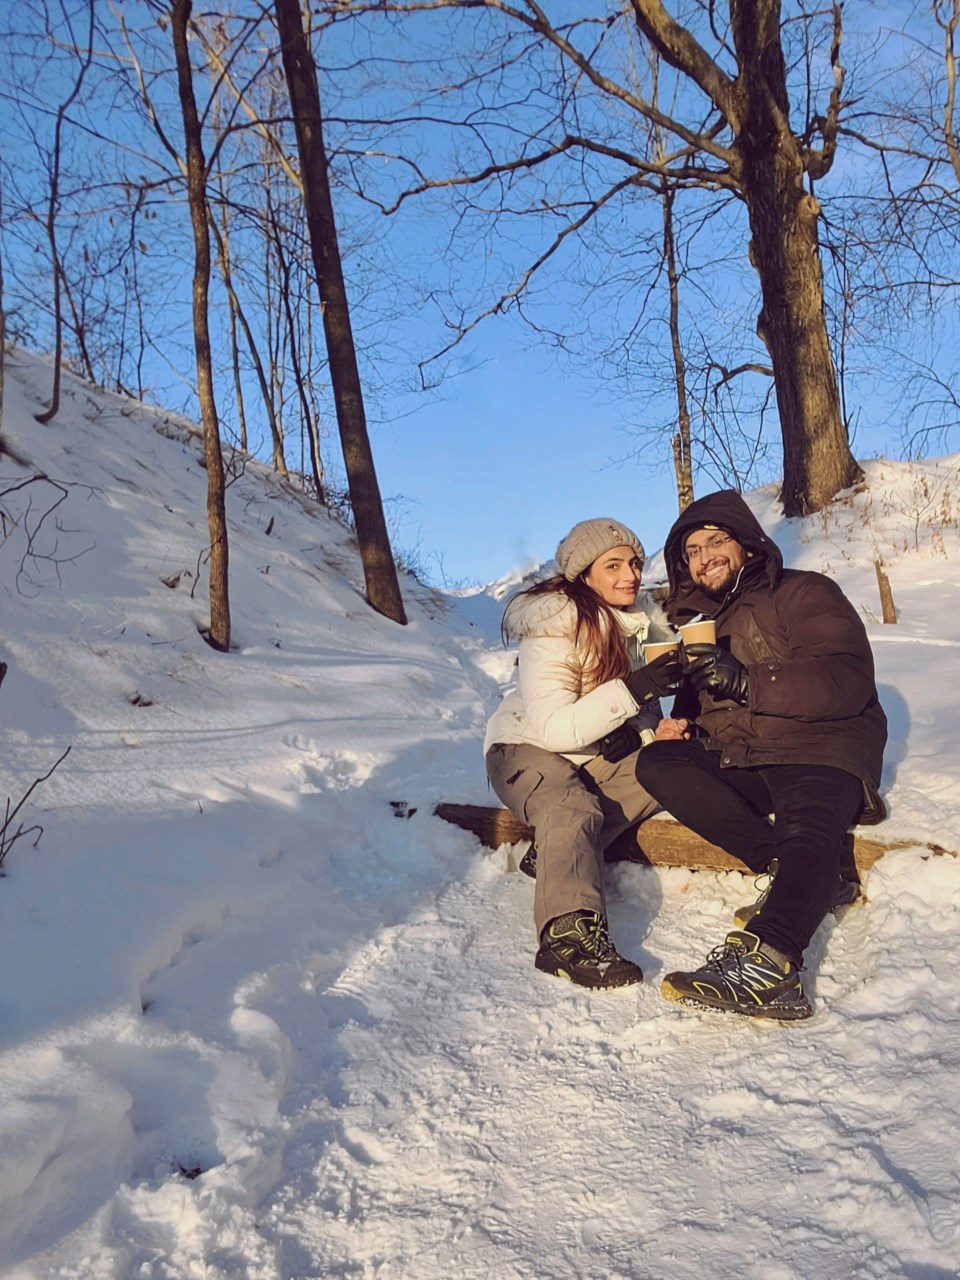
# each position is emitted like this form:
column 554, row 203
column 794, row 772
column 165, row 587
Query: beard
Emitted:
column 719, row 587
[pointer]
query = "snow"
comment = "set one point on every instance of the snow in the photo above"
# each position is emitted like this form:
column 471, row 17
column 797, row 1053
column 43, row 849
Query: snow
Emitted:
column 263, row 1015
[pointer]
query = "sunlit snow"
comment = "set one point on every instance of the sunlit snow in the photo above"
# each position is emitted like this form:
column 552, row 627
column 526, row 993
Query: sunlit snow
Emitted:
column 263, row 1015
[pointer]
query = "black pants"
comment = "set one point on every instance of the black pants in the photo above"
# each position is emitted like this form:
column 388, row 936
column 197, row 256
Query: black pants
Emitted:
column 814, row 806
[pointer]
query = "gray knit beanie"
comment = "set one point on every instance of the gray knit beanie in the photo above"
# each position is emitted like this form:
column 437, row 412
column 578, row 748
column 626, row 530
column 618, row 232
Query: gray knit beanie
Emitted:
column 589, row 539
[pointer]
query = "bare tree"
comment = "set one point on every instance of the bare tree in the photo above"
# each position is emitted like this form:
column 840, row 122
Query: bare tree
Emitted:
column 682, row 459
column 380, row 571
column 286, row 293
column 894, row 239
column 223, row 261
column 3, row 325
column 196, row 173
column 947, row 17
column 729, row 130
column 52, row 209
column 237, row 311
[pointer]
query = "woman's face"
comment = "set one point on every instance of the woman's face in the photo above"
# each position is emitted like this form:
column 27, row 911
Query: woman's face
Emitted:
column 615, row 576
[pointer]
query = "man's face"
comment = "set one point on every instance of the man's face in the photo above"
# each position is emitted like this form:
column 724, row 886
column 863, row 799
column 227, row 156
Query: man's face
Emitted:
column 714, row 560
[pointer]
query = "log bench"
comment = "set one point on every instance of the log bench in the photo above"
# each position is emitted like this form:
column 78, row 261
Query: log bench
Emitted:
column 662, row 841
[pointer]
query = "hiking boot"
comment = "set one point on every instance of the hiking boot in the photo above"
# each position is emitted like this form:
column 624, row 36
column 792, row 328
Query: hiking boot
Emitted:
column 577, row 946
column 528, row 863
column 741, row 976
column 848, row 892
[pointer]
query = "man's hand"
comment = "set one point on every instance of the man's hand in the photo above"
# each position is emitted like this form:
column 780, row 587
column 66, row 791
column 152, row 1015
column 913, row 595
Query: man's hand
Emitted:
column 663, row 675
column 712, row 670
column 619, row 743
column 672, row 730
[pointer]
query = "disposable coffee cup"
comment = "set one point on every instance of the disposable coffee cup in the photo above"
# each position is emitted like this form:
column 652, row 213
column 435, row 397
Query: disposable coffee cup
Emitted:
column 659, row 648
column 704, row 632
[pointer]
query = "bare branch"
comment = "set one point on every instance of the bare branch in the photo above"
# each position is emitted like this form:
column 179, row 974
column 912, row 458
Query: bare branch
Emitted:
column 261, row 126
column 819, row 162
column 534, row 19
column 727, row 375
column 949, row 26
column 504, row 301
column 681, row 51
column 8, row 839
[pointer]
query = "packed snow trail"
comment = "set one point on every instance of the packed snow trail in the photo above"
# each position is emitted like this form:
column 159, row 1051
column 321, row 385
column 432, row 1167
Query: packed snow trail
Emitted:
column 489, row 1122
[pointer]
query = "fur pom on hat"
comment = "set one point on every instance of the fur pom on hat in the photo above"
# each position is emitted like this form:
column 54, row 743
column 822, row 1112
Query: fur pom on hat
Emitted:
column 590, row 539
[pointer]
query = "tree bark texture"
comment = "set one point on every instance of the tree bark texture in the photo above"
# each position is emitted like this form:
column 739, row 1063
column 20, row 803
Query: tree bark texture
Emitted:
column 769, row 164
column 886, row 593
column 785, row 252
column 380, row 572
column 682, row 462
column 199, row 217
column 664, row 841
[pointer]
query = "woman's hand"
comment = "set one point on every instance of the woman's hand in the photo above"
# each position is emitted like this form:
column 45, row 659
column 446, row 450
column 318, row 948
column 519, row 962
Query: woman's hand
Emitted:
column 620, row 743
column 656, row 679
column 671, row 730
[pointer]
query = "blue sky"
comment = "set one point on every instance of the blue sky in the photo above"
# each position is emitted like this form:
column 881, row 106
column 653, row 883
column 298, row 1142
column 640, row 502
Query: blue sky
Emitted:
column 490, row 472
column 495, row 468
column 487, row 473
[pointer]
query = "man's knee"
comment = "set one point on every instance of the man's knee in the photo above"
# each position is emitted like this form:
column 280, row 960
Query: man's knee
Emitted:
column 661, row 757
column 818, row 820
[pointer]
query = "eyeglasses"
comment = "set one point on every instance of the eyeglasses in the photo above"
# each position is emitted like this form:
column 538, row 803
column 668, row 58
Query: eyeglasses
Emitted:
column 691, row 555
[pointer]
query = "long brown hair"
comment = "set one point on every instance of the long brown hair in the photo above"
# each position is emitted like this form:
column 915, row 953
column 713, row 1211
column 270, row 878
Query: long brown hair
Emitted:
column 598, row 633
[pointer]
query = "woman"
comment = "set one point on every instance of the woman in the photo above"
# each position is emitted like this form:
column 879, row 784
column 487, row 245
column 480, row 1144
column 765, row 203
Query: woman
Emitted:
column 561, row 750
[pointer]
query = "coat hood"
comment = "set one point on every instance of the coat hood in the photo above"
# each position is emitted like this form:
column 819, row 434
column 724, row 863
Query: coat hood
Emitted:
column 726, row 510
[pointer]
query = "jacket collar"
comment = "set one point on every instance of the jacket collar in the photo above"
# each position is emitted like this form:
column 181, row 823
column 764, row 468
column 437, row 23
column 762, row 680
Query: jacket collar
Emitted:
column 555, row 614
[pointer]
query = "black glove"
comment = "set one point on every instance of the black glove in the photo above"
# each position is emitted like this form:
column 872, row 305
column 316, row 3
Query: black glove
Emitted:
column 714, row 671
column 663, row 675
column 620, row 743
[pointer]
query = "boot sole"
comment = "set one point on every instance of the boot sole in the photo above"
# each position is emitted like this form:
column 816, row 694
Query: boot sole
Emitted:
column 797, row 1012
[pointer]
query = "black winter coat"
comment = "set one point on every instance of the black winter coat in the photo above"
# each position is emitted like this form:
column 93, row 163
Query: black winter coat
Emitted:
column 813, row 697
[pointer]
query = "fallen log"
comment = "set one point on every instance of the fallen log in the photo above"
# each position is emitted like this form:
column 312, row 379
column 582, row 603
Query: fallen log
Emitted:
column 663, row 841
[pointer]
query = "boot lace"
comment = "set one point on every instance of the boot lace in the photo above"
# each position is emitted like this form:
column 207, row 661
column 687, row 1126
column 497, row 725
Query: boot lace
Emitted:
column 763, row 883
column 723, row 957
column 597, row 937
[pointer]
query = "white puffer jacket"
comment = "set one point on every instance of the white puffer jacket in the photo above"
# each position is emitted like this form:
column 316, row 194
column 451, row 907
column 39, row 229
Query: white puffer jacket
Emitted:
column 548, row 707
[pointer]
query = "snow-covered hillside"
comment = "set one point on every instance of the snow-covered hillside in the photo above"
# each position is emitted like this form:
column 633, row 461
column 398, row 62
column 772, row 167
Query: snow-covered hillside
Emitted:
column 263, row 1015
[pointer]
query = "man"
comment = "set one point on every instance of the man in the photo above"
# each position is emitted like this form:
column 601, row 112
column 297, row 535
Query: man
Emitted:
column 788, row 724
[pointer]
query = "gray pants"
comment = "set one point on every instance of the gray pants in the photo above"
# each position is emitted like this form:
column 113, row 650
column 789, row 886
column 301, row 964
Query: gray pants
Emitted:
column 575, row 813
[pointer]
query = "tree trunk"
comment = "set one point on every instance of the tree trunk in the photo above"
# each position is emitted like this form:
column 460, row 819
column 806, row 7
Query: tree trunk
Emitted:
column 785, row 251
column 238, row 311
column 53, row 205
column 273, row 322
column 682, row 465
column 380, row 572
column 196, row 192
column 313, row 421
column 296, row 365
column 223, row 259
column 3, row 337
